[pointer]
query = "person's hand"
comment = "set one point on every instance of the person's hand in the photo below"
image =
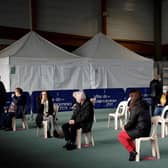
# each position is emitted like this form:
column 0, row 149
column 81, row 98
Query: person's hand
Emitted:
column 71, row 122
column 43, row 100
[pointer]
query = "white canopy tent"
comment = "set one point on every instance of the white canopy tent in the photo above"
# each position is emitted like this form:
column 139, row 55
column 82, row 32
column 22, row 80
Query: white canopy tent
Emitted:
column 33, row 63
column 114, row 66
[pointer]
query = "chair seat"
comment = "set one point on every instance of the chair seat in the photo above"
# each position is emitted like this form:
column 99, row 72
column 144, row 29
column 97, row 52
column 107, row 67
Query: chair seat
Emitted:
column 145, row 138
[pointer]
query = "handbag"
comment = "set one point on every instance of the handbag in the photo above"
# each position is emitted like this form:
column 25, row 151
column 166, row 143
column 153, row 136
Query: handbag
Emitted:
column 12, row 108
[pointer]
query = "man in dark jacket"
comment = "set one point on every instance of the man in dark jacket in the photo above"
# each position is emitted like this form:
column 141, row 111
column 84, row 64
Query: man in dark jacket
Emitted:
column 82, row 117
column 138, row 125
column 156, row 89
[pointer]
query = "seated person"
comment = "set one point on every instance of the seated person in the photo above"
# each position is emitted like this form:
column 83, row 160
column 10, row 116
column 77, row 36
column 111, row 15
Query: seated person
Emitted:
column 83, row 115
column 45, row 112
column 17, row 108
column 163, row 103
column 138, row 125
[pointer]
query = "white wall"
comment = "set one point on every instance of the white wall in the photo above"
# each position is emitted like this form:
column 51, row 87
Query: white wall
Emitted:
column 14, row 13
column 79, row 17
column 127, row 19
column 130, row 19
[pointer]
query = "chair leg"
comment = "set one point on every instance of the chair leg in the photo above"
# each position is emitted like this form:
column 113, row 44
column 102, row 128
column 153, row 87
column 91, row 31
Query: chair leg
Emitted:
column 137, row 144
column 92, row 139
column 166, row 129
column 87, row 136
column 153, row 143
column 94, row 118
column 108, row 124
column 78, row 138
column 115, row 123
column 157, row 149
column 24, row 123
column 121, row 122
column 45, row 129
column 163, row 129
column 38, row 131
column 14, row 123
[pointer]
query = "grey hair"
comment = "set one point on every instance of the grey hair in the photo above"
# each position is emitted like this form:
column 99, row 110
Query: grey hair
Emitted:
column 83, row 96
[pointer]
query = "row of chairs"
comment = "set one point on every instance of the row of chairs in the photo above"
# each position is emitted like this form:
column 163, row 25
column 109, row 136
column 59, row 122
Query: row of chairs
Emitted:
column 121, row 116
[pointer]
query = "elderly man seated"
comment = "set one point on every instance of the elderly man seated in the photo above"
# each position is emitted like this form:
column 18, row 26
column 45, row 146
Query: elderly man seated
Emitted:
column 83, row 115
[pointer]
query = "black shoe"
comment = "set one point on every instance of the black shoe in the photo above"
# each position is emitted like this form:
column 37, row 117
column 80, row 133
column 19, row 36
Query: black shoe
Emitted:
column 48, row 134
column 65, row 146
column 132, row 155
column 71, row 146
column 8, row 129
column 55, row 133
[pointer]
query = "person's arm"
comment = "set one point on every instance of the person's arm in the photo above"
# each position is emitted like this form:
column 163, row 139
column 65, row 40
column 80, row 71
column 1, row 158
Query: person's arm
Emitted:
column 40, row 106
column 86, row 113
column 51, row 107
column 133, row 118
column 75, row 111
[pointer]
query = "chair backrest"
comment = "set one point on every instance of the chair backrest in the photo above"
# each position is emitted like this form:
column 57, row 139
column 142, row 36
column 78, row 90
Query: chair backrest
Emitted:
column 55, row 107
column 122, row 108
column 164, row 111
column 154, row 121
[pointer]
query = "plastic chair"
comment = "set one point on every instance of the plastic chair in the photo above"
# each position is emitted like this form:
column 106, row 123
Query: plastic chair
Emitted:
column 152, row 138
column 93, row 100
column 88, row 138
column 120, row 114
column 164, row 122
column 24, row 122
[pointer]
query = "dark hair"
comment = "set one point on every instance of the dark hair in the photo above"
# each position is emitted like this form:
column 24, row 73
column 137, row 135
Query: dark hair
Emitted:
column 19, row 90
column 138, row 96
column 46, row 94
column 136, row 91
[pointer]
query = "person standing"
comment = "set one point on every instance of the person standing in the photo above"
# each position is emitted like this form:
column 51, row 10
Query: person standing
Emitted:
column 156, row 90
column 161, row 105
column 138, row 125
column 2, row 104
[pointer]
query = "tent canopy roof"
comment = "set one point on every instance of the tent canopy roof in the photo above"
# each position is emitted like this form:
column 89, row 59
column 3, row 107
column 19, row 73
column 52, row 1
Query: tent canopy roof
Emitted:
column 102, row 47
column 32, row 47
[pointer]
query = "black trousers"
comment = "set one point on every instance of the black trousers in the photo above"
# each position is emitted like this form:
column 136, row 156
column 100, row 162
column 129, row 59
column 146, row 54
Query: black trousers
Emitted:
column 70, row 131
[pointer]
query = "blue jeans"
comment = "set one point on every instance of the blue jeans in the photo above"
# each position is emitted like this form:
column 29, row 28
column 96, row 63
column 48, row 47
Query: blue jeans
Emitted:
column 158, row 110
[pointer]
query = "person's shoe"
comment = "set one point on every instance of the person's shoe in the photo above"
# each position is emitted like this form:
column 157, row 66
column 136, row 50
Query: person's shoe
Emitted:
column 67, row 144
column 8, row 129
column 48, row 134
column 132, row 155
column 71, row 146
column 55, row 133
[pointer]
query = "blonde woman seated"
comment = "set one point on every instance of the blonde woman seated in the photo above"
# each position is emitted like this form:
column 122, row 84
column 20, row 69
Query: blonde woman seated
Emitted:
column 163, row 103
column 45, row 112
